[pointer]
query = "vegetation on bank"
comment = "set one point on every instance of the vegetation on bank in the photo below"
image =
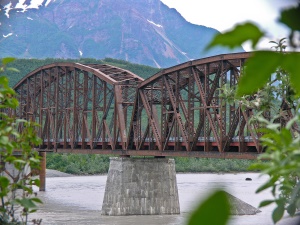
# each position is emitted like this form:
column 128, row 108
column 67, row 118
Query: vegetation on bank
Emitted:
column 82, row 164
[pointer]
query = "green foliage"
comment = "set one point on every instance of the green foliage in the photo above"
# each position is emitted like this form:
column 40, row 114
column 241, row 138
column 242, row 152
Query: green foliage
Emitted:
column 283, row 155
column 286, row 61
column 83, row 164
column 290, row 17
column 281, row 143
column 80, row 164
column 205, row 213
column 247, row 83
column 238, row 36
column 16, row 193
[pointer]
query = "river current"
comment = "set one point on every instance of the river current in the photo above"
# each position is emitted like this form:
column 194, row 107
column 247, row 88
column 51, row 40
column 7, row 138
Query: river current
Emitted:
column 78, row 200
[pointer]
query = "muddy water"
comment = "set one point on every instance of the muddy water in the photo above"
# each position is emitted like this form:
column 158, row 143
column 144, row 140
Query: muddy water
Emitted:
column 78, row 200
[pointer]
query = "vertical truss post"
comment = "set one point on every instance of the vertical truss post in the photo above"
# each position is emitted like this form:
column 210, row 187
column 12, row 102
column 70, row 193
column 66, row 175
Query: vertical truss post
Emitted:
column 105, row 110
column 94, row 79
column 55, row 136
column 27, row 106
column 41, row 107
column 84, row 128
column 151, row 119
column 164, row 113
column 190, row 119
column 48, row 110
column 121, row 115
column 175, row 104
column 75, row 108
column 66, row 111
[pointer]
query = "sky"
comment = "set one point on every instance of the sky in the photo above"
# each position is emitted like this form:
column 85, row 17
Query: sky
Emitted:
column 223, row 15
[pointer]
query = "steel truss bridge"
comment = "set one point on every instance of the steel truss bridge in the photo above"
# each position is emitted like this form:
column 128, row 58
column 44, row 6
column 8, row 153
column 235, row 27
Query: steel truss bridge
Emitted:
column 102, row 109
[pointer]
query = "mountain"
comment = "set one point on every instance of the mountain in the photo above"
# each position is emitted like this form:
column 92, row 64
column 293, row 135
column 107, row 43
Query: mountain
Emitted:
column 140, row 31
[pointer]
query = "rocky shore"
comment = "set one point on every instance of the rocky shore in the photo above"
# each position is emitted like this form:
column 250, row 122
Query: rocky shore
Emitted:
column 56, row 173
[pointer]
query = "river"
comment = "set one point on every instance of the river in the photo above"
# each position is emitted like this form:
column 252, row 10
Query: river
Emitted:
column 78, row 200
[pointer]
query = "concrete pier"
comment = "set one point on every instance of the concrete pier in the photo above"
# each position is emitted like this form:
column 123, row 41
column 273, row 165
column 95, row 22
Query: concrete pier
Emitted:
column 137, row 186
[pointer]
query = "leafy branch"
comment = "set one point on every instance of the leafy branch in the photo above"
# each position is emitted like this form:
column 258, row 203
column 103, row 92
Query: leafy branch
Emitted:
column 18, row 160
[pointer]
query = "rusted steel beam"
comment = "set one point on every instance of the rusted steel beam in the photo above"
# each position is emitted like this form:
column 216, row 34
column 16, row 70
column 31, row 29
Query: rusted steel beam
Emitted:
column 196, row 62
column 121, row 115
column 153, row 121
column 175, row 105
column 208, row 114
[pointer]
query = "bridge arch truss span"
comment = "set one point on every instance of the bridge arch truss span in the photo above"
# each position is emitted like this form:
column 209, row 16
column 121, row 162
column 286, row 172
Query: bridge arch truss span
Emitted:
column 180, row 111
column 186, row 112
column 85, row 106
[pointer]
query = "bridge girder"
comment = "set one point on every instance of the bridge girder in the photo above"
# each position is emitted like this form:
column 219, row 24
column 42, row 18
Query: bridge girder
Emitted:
column 101, row 109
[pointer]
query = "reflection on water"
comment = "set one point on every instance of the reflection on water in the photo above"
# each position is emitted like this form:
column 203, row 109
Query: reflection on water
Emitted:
column 78, row 200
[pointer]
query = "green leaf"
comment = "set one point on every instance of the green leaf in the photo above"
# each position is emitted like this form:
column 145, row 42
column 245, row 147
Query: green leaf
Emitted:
column 237, row 36
column 278, row 213
column 206, row 212
column 21, row 121
column 13, row 69
column 270, row 183
column 258, row 70
column 4, row 140
column 19, row 161
column 7, row 60
column 291, row 64
column 286, row 136
column 265, row 203
column 291, row 17
column 4, row 182
column 26, row 203
column 37, row 200
column 35, row 182
column 273, row 126
column 291, row 209
column 291, row 122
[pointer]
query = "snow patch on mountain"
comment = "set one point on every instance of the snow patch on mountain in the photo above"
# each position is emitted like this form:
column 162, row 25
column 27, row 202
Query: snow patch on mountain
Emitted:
column 7, row 8
column 155, row 24
column 34, row 4
column 5, row 36
column 47, row 3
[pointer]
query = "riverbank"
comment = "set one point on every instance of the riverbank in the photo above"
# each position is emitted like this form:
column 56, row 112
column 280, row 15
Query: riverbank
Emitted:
column 56, row 173
column 80, row 164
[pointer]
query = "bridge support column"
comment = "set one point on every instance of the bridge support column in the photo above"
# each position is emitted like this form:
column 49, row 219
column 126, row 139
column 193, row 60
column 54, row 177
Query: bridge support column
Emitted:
column 137, row 186
column 43, row 171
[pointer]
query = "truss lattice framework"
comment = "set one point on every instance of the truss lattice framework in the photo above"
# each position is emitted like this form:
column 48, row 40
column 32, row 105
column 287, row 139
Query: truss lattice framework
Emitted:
column 176, row 112
column 185, row 112
column 79, row 106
